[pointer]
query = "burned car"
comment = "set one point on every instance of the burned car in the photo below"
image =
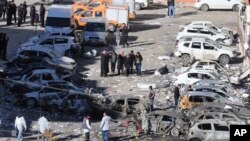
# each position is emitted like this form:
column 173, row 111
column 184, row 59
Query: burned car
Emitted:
column 157, row 122
column 120, row 105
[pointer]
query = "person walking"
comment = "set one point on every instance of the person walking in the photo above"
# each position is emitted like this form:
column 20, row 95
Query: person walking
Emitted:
column 32, row 14
column 13, row 10
column 5, row 40
column 86, row 127
column 151, row 97
column 24, row 12
column 20, row 15
column 132, row 56
column 117, row 36
column 20, row 125
column 138, row 63
column 113, row 60
column 104, row 126
column 176, row 95
column 171, row 8
column 42, row 14
column 125, row 35
column 104, row 64
column 43, row 126
column 120, row 63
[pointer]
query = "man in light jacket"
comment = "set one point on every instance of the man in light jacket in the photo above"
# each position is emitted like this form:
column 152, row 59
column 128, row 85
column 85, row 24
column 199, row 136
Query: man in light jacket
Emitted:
column 43, row 126
column 105, row 126
column 20, row 124
column 86, row 127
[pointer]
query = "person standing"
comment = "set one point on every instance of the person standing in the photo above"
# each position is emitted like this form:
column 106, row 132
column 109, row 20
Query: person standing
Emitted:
column 4, row 45
column 125, row 35
column 171, row 9
column 13, row 10
column 1, row 43
column 176, row 95
column 20, row 15
column 5, row 2
column 104, row 126
column 128, row 61
column 113, row 60
column 43, row 126
column 32, row 14
column 151, row 97
column 120, row 62
column 8, row 12
column 24, row 11
column 132, row 56
column 86, row 127
column 104, row 64
column 20, row 125
column 117, row 36
column 138, row 63
column 42, row 14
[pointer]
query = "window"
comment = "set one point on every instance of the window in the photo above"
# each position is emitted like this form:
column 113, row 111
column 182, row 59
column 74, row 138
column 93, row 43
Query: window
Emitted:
column 206, row 126
column 58, row 22
column 98, row 14
column 201, row 117
column 208, row 46
column 133, row 101
column 87, row 14
column 35, row 77
column 94, row 4
column 192, row 75
column 209, row 117
column 209, row 99
column 218, row 127
column 192, row 31
column 47, row 42
column 95, row 27
column 166, row 118
column 195, row 99
column 196, row 45
column 220, row 93
column 30, row 53
column 61, row 41
column 205, row 32
column 44, row 55
column 227, row 117
column 186, row 44
column 47, row 76
column 206, row 76
column 202, row 64
column 212, row 26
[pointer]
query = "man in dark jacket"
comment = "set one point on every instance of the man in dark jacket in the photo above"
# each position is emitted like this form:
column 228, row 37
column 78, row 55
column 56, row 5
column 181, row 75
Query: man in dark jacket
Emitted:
column 120, row 63
column 176, row 95
column 32, row 14
column 8, row 12
column 113, row 60
column 4, row 45
column 128, row 61
column 151, row 97
column 104, row 64
column 125, row 35
column 24, row 11
column 20, row 15
column 13, row 10
column 5, row 2
column 132, row 55
column 171, row 9
column 42, row 14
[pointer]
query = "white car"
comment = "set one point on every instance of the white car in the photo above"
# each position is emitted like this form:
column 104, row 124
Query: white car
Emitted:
column 205, row 5
column 56, row 58
column 65, row 45
column 204, row 49
column 207, row 32
column 210, row 25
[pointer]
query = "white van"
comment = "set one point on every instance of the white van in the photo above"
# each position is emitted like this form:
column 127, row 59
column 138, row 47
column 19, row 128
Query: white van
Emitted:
column 58, row 19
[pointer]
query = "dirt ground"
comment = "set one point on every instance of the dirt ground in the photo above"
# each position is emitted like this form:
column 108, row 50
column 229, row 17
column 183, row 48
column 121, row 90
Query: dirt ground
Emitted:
column 151, row 33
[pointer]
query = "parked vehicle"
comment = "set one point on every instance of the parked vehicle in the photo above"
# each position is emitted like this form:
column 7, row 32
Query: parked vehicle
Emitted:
column 65, row 45
column 58, row 19
column 201, row 48
column 209, row 130
column 56, row 58
column 203, row 31
column 206, row 5
column 95, row 31
column 158, row 122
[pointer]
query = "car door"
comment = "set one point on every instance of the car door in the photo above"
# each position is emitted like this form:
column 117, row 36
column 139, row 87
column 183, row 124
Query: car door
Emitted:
column 205, row 131
column 196, row 50
column 48, row 43
column 221, row 132
column 34, row 80
column 210, row 52
column 165, row 123
column 46, row 77
column 153, row 121
column 192, row 78
column 227, row 4
column 61, row 45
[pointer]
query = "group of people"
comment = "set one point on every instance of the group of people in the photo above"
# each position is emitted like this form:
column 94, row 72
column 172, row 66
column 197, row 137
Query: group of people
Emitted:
column 123, row 63
column 3, row 45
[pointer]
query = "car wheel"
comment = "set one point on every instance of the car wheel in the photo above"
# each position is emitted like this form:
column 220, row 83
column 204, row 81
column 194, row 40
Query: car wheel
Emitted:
column 31, row 102
column 68, row 53
column 204, row 7
column 112, row 27
column 224, row 59
column 131, row 129
column 195, row 139
column 137, row 6
column 236, row 8
column 185, row 59
column 175, row 132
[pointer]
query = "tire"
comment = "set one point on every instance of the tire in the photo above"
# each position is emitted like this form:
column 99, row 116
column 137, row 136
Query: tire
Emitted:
column 236, row 8
column 185, row 59
column 195, row 139
column 175, row 132
column 224, row 59
column 131, row 129
column 31, row 102
column 112, row 27
column 137, row 6
column 204, row 7
column 68, row 53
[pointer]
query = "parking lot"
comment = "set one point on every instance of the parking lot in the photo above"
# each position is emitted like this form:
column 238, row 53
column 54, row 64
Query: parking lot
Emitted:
column 152, row 34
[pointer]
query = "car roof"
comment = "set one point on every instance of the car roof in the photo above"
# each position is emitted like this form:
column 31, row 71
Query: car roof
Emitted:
column 43, row 70
column 207, row 86
column 215, row 121
column 193, row 22
column 198, row 93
